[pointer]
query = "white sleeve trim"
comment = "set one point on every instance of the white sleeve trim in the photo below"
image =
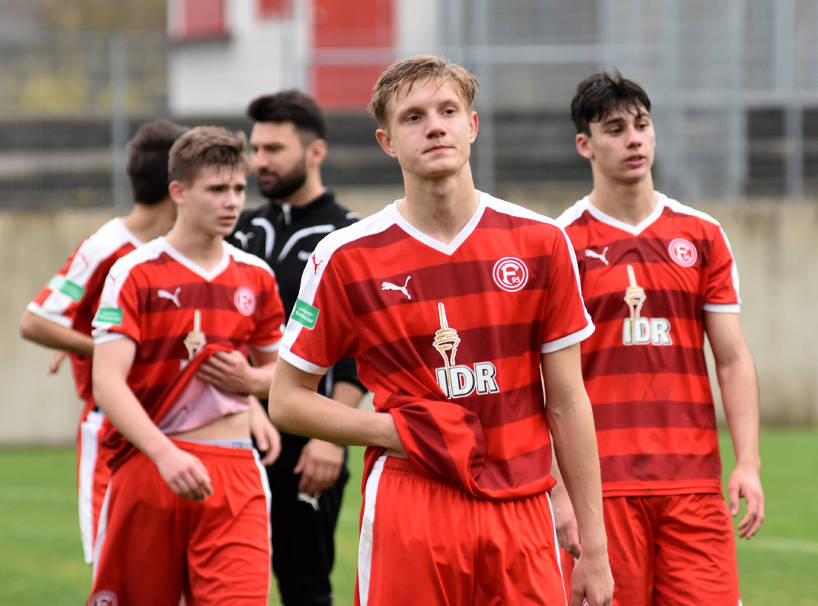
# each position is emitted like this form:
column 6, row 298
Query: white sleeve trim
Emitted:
column 733, row 308
column 56, row 318
column 300, row 363
column 568, row 340
column 103, row 336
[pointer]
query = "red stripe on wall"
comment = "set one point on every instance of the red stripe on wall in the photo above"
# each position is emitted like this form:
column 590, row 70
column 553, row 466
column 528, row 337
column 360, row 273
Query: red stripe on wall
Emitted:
column 349, row 24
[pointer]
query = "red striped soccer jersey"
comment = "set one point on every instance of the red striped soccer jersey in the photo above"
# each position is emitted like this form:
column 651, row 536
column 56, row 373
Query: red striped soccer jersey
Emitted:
column 71, row 297
column 172, row 308
column 646, row 288
column 448, row 337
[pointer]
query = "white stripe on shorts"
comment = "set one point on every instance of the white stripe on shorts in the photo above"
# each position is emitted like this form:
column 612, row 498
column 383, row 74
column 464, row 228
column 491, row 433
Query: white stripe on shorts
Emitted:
column 367, row 522
column 89, row 442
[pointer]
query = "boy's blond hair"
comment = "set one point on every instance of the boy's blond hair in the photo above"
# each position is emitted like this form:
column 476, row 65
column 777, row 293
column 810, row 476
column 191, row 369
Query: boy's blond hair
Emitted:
column 207, row 146
column 403, row 74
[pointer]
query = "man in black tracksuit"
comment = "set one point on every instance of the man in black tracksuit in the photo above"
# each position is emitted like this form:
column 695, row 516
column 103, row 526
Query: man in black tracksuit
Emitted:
column 307, row 480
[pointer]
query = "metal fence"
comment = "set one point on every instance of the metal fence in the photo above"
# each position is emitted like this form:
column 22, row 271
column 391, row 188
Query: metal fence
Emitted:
column 734, row 83
column 734, row 87
column 68, row 105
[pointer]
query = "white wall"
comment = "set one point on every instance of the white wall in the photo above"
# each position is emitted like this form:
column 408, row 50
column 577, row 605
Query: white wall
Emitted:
column 418, row 26
column 222, row 76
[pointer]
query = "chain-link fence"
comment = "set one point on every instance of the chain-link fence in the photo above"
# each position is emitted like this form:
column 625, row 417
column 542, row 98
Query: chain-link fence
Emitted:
column 734, row 83
column 68, row 104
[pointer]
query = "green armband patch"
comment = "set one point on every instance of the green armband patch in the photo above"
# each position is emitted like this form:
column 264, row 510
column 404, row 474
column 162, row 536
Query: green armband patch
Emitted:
column 66, row 287
column 305, row 314
column 109, row 315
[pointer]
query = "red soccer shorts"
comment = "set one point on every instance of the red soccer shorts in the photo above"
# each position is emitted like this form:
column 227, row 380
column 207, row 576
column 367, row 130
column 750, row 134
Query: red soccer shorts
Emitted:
column 154, row 546
column 674, row 549
column 92, row 477
column 427, row 542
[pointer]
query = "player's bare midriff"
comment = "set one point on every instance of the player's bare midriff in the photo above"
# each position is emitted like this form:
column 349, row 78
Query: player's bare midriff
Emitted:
column 229, row 427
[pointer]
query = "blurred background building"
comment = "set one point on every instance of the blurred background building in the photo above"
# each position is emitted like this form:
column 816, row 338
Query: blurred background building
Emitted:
column 734, row 85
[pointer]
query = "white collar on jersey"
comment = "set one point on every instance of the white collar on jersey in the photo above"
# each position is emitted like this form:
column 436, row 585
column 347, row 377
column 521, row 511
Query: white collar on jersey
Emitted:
column 661, row 202
column 207, row 274
column 446, row 249
column 127, row 233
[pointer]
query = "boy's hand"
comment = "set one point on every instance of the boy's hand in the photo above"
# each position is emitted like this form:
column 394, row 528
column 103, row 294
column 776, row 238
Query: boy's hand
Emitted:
column 185, row 474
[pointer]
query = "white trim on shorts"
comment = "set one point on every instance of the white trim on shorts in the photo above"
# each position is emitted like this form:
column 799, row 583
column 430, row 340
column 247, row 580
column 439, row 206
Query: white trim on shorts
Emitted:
column 367, row 523
column 89, row 450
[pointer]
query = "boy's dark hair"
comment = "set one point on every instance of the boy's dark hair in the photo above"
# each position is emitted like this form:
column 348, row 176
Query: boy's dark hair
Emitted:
column 207, row 146
column 148, row 160
column 600, row 94
column 290, row 106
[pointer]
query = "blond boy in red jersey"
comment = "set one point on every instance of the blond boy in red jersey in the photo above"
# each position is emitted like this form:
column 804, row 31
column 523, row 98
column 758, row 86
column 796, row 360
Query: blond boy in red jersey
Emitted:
column 452, row 302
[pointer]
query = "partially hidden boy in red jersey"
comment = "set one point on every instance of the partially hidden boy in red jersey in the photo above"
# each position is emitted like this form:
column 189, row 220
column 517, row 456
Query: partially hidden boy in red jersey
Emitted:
column 60, row 315
column 452, row 302
column 187, row 506
column 656, row 277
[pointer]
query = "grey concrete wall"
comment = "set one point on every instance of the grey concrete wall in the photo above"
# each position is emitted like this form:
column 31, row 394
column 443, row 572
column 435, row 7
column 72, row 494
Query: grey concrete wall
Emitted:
column 774, row 243
column 35, row 407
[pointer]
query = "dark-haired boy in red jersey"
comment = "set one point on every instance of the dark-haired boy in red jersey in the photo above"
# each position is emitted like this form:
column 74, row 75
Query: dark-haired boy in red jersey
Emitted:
column 187, row 507
column 452, row 302
column 60, row 315
column 656, row 277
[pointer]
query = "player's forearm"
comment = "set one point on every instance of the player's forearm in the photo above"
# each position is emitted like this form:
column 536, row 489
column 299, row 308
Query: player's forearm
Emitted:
column 259, row 379
column 739, row 390
column 55, row 336
column 739, row 386
column 572, row 430
column 302, row 411
column 125, row 412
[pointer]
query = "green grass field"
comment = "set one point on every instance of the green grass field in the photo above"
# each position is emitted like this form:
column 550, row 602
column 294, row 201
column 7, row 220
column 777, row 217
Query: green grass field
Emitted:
column 41, row 560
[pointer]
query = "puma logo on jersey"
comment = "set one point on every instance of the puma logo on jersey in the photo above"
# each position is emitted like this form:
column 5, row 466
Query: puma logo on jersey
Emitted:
column 165, row 294
column 459, row 380
column 316, row 263
column 390, row 286
column 243, row 238
column 595, row 255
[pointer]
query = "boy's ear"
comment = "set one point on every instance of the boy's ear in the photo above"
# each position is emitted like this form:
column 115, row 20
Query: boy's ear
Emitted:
column 474, row 122
column 385, row 141
column 176, row 190
column 584, row 146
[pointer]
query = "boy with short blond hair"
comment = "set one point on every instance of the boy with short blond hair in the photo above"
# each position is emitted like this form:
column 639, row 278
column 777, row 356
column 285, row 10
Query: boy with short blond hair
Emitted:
column 452, row 302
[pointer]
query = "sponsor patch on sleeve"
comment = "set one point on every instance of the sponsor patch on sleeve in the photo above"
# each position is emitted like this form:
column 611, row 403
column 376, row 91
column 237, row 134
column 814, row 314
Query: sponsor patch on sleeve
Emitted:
column 66, row 287
column 109, row 315
column 305, row 314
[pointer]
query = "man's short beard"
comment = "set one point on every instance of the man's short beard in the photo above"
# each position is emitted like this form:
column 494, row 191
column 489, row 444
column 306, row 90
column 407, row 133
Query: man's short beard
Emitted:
column 286, row 185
